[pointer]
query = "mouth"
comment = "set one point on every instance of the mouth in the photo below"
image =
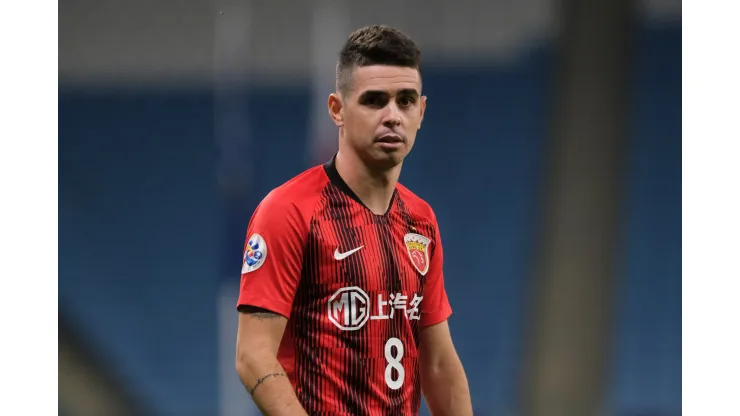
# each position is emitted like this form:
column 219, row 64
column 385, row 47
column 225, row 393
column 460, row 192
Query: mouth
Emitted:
column 389, row 139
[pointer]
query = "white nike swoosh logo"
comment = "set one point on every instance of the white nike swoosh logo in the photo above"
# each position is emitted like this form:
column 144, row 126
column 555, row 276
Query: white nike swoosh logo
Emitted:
column 342, row 256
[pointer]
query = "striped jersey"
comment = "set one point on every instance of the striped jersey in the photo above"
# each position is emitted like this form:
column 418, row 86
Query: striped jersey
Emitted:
column 356, row 288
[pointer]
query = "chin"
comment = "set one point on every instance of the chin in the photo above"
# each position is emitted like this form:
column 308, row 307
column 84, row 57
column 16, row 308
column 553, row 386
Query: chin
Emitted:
column 385, row 159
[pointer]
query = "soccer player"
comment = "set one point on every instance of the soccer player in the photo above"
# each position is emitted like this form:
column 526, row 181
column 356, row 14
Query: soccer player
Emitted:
column 342, row 303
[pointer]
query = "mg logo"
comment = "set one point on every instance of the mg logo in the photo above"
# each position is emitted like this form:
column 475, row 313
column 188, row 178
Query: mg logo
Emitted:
column 349, row 308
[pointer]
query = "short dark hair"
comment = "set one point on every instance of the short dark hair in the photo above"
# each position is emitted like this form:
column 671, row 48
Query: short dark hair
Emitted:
column 375, row 45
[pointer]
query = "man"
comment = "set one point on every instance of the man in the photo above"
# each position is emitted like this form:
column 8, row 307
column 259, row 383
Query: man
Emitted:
column 342, row 302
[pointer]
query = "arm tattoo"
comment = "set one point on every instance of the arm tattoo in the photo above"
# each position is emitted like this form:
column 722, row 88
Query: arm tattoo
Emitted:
column 265, row 315
column 262, row 379
column 259, row 313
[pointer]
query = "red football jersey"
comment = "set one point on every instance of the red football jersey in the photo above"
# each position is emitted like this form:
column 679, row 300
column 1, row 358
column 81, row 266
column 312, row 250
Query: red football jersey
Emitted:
column 356, row 288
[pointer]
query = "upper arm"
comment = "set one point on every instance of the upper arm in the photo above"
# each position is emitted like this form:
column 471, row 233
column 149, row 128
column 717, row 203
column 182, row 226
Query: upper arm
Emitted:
column 435, row 307
column 271, row 270
column 273, row 253
column 259, row 334
column 435, row 344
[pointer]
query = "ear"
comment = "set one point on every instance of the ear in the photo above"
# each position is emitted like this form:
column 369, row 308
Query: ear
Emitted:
column 422, row 108
column 336, row 108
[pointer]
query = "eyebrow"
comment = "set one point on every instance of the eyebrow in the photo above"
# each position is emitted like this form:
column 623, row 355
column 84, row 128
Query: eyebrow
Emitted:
column 403, row 92
column 409, row 91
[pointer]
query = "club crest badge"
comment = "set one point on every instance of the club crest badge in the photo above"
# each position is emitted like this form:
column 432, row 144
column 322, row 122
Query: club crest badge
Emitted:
column 418, row 248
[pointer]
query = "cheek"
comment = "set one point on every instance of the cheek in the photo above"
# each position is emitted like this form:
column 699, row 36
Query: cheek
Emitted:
column 364, row 122
column 411, row 139
column 413, row 120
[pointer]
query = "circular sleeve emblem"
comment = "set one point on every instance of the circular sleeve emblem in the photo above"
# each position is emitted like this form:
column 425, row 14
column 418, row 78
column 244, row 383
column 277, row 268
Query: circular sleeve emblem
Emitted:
column 255, row 254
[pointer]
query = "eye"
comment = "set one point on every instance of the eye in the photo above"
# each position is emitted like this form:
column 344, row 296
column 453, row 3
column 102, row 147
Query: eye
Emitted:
column 407, row 101
column 379, row 102
column 374, row 100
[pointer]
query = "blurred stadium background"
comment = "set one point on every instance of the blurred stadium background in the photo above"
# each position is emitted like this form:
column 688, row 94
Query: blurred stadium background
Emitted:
column 551, row 152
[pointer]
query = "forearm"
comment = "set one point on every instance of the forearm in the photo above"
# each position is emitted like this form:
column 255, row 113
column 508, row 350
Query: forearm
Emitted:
column 269, row 387
column 445, row 388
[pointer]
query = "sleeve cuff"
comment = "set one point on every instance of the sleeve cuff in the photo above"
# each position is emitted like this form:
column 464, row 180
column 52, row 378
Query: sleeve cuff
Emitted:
column 436, row 317
column 271, row 305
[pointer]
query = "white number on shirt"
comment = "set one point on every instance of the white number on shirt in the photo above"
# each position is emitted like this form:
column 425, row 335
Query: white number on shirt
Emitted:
column 394, row 362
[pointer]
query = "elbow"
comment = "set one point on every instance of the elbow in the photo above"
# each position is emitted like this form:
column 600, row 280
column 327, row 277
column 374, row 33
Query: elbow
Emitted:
column 444, row 368
column 432, row 373
column 244, row 363
column 253, row 358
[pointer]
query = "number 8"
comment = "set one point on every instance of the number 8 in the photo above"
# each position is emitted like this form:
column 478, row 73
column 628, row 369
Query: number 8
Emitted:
column 394, row 361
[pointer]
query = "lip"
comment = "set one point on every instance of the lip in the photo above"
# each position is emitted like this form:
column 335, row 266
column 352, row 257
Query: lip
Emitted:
column 389, row 145
column 389, row 139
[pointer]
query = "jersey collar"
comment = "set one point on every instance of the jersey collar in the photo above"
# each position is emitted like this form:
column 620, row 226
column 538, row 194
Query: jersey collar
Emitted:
column 331, row 171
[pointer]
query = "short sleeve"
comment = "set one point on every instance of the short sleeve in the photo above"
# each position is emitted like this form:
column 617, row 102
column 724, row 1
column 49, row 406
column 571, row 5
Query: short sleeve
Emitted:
column 435, row 307
column 272, row 260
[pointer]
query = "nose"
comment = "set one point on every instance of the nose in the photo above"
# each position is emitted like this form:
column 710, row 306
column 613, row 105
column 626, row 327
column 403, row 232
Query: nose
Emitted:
column 392, row 116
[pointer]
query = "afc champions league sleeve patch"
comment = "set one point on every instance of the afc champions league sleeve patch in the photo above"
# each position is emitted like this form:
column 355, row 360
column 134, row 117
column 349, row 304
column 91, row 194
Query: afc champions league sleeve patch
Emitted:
column 417, row 246
column 254, row 254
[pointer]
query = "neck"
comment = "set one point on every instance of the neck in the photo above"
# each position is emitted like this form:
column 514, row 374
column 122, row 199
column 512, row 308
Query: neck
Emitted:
column 374, row 187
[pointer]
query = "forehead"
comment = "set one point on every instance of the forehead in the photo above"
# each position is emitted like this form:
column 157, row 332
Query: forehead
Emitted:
column 385, row 78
